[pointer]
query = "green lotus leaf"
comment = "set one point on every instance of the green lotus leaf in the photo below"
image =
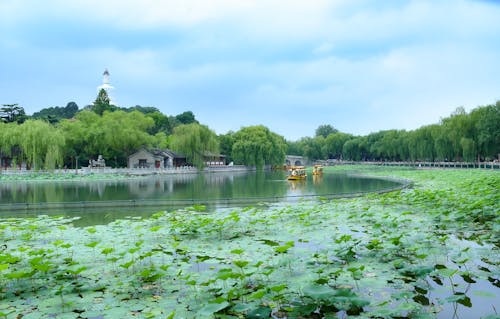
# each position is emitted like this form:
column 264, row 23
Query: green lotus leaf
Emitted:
column 421, row 299
column 240, row 263
column 92, row 314
column 319, row 292
column 260, row 312
column 460, row 298
column 209, row 309
column 18, row 275
column 258, row 294
column 269, row 242
column 120, row 311
column 243, row 307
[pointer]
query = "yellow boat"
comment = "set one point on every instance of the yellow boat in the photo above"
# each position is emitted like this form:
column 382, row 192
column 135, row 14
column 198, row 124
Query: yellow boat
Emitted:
column 296, row 173
column 318, row 169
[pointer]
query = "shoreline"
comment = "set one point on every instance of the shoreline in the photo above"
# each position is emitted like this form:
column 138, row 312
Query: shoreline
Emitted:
column 108, row 173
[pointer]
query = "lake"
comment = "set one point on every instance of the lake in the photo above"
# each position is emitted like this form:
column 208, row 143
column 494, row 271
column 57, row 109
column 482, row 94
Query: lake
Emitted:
column 101, row 201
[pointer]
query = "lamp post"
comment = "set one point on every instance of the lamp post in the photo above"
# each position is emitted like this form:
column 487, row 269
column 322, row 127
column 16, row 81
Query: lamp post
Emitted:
column 76, row 164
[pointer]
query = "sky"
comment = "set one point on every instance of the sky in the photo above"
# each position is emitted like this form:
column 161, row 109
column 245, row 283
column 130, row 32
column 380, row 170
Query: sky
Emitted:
column 360, row 66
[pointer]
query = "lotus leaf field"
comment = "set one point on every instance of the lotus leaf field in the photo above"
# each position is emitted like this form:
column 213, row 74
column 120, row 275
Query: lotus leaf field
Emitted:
column 427, row 251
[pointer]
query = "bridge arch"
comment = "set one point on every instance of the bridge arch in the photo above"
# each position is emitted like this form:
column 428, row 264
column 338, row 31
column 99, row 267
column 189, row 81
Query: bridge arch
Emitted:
column 294, row 160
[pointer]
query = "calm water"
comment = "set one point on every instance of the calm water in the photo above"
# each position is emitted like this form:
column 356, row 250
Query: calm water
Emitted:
column 103, row 201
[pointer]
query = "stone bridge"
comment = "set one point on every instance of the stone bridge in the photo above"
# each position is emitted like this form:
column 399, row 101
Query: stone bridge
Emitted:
column 295, row 160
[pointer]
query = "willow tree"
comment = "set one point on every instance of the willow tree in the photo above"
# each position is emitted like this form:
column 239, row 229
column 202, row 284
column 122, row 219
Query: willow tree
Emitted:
column 313, row 147
column 458, row 126
column 258, row 146
column 196, row 141
column 351, row 149
column 469, row 149
column 9, row 142
column 122, row 133
column 7, row 138
column 82, row 133
column 115, row 135
column 421, row 144
column 42, row 144
column 334, row 144
column 486, row 125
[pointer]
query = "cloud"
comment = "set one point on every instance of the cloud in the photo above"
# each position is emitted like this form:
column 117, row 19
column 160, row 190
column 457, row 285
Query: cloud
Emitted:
column 132, row 14
column 359, row 65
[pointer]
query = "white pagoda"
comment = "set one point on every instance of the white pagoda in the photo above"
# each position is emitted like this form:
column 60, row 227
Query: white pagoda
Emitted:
column 106, row 86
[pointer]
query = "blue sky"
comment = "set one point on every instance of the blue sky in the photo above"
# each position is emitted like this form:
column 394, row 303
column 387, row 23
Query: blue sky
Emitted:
column 360, row 66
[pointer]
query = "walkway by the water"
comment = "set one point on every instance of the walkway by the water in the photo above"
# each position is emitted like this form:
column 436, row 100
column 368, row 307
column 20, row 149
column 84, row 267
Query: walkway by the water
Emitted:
column 483, row 165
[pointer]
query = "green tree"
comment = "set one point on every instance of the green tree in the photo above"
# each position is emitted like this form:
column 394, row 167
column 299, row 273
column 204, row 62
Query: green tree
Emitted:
column 102, row 103
column 356, row 149
column 160, row 140
column 469, row 149
column 186, row 118
column 196, row 141
column 258, row 146
column 391, row 145
column 123, row 133
column 402, row 145
column 12, row 113
column 142, row 109
column 41, row 143
column 486, row 125
column 115, row 135
column 294, row 148
column 82, row 136
column 325, row 130
column 442, row 142
column 9, row 142
column 55, row 114
column 334, row 144
column 226, row 142
column 421, row 144
column 313, row 148
column 458, row 126
column 162, row 123
column 374, row 145
column 351, row 150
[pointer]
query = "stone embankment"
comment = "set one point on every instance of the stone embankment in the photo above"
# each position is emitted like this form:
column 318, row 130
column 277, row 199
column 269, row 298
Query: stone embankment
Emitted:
column 133, row 171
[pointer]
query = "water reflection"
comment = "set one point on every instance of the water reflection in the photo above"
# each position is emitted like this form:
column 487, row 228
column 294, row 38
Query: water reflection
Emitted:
column 166, row 191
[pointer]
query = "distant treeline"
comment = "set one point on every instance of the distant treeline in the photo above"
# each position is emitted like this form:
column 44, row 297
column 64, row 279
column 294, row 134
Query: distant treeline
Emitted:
column 463, row 136
column 68, row 137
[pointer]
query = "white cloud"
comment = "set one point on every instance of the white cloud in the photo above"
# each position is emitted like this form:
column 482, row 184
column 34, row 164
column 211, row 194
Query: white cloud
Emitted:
column 132, row 14
column 359, row 65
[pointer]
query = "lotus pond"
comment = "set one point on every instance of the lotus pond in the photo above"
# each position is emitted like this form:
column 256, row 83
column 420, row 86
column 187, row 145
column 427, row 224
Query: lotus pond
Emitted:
column 429, row 251
column 100, row 198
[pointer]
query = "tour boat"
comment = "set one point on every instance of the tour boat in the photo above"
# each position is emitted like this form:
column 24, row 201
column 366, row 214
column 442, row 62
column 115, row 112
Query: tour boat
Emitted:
column 318, row 169
column 296, row 173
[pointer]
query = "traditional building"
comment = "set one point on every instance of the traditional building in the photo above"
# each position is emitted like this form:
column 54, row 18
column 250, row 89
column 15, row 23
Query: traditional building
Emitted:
column 155, row 158
column 212, row 159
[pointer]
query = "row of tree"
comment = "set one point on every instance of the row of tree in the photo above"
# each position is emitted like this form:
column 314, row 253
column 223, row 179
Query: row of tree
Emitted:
column 68, row 137
column 463, row 136
column 62, row 136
